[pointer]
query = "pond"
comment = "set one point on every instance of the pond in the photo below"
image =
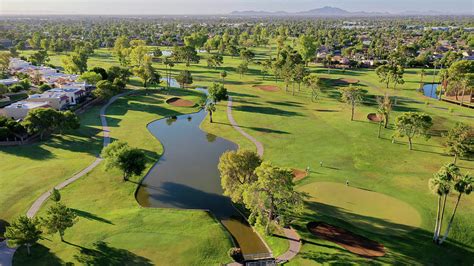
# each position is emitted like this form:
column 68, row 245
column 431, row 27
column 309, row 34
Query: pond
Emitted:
column 430, row 90
column 186, row 176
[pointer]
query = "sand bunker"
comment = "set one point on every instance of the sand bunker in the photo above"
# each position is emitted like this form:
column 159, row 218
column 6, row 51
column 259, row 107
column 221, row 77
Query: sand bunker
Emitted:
column 374, row 117
column 176, row 101
column 267, row 88
column 349, row 80
column 298, row 174
column 352, row 242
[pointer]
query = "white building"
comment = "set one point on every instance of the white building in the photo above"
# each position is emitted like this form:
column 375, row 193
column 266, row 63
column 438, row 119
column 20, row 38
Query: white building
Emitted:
column 20, row 109
column 57, row 100
column 9, row 82
column 74, row 94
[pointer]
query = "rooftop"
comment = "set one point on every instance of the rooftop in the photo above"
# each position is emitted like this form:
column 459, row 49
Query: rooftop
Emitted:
column 27, row 105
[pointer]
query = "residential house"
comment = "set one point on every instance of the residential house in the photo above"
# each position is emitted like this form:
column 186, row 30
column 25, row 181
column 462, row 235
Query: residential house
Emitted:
column 57, row 100
column 75, row 95
column 9, row 82
column 20, row 109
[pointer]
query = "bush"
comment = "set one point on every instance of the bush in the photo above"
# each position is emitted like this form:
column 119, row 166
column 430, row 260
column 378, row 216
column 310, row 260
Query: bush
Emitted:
column 235, row 254
column 15, row 88
column 44, row 87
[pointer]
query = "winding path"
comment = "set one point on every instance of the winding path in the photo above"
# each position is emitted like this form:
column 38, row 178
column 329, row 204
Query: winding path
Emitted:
column 6, row 253
column 290, row 233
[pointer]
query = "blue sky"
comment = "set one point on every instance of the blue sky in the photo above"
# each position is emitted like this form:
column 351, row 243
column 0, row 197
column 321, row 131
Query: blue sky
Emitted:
column 223, row 6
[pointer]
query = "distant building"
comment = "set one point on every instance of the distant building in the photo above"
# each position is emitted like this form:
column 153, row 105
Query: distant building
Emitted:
column 9, row 82
column 20, row 109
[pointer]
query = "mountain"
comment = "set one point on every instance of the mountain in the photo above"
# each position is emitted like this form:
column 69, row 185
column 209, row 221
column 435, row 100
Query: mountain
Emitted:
column 329, row 11
column 326, row 11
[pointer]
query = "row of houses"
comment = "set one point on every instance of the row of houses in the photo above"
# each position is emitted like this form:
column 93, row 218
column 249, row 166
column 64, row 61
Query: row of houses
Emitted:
column 67, row 90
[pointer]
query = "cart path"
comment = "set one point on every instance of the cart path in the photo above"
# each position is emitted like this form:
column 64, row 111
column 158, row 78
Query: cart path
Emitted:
column 6, row 253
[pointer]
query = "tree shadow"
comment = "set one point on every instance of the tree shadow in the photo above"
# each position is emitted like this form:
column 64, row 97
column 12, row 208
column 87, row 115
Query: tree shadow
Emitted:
column 286, row 103
column 90, row 216
column 33, row 151
column 410, row 244
column 240, row 94
column 103, row 254
column 266, row 110
column 40, row 255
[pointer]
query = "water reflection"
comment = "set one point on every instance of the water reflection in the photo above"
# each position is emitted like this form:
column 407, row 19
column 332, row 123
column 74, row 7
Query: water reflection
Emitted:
column 186, row 176
column 431, row 90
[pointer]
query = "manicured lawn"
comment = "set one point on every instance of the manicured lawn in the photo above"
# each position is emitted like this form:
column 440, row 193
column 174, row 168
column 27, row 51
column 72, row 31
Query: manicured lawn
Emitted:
column 108, row 211
column 30, row 170
column 298, row 133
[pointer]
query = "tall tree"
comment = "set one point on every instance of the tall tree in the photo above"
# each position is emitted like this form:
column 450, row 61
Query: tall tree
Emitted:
column 460, row 141
column 307, row 47
column 237, row 171
column 184, row 78
column 383, row 72
column 120, row 48
column 90, row 77
column 384, row 109
column 411, row 124
column 217, row 92
column 223, row 75
column 210, row 108
column 272, row 197
column 130, row 161
column 75, row 63
column 314, row 83
column 463, row 184
column 242, row 68
column 58, row 219
column 40, row 57
column 23, row 231
column 352, row 96
column 440, row 185
column 146, row 72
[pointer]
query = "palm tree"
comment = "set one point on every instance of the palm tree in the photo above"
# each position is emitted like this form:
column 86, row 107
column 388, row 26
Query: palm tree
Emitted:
column 441, row 185
column 422, row 75
column 463, row 185
column 210, row 108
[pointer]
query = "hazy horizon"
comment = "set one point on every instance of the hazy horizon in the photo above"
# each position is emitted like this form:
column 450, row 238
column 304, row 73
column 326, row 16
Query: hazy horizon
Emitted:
column 209, row 7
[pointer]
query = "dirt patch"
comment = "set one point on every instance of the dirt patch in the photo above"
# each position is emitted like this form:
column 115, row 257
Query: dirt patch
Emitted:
column 374, row 117
column 267, row 88
column 176, row 101
column 354, row 243
column 298, row 174
column 349, row 80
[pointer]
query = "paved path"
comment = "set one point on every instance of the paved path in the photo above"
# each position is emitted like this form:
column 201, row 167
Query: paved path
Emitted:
column 6, row 253
column 257, row 143
column 290, row 233
column 295, row 245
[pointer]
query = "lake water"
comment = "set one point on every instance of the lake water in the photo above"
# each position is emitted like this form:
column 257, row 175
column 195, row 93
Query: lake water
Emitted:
column 186, row 176
column 430, row 90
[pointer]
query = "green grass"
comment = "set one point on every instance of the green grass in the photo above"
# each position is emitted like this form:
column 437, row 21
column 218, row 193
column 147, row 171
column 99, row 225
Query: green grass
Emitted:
column 348, row 202
column 298, row 133
column 30, row 170
column 109, row 212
